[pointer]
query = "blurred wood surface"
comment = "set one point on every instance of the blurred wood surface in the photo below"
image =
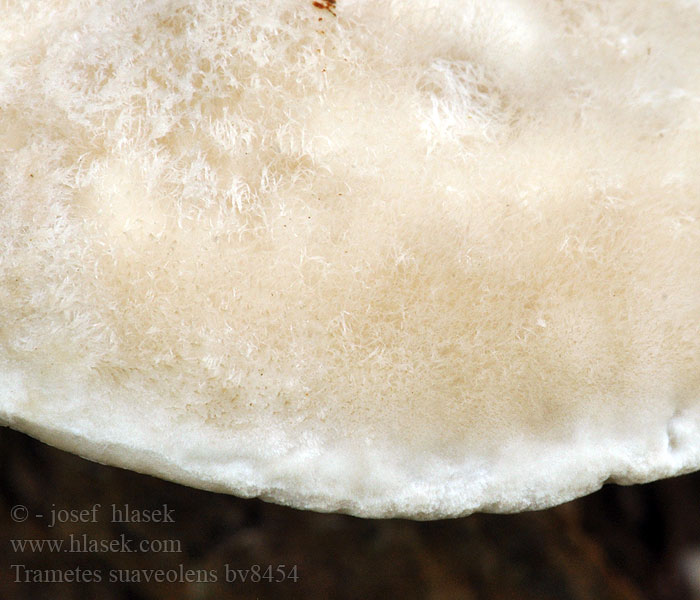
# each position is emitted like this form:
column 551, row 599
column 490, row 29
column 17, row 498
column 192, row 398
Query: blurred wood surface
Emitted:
column 622, row 543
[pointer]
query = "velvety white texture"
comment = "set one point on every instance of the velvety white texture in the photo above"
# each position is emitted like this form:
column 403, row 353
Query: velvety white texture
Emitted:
column 412, row 258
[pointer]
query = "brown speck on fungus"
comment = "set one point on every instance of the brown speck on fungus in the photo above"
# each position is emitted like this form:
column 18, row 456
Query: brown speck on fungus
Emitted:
column 328, row 5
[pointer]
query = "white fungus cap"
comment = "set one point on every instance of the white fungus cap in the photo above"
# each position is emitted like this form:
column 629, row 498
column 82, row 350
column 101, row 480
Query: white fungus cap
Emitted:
column 403, row 258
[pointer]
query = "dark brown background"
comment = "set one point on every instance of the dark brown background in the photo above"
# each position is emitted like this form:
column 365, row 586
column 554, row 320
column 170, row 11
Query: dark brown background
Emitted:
column 620, row 543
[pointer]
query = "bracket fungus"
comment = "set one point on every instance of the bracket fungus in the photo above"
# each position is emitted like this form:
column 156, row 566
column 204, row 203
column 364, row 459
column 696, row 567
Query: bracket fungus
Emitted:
column 389, row 258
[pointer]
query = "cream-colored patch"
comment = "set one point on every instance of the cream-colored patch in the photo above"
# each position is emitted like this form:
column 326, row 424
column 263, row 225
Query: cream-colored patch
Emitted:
column 442, row 236
column 120, row 202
